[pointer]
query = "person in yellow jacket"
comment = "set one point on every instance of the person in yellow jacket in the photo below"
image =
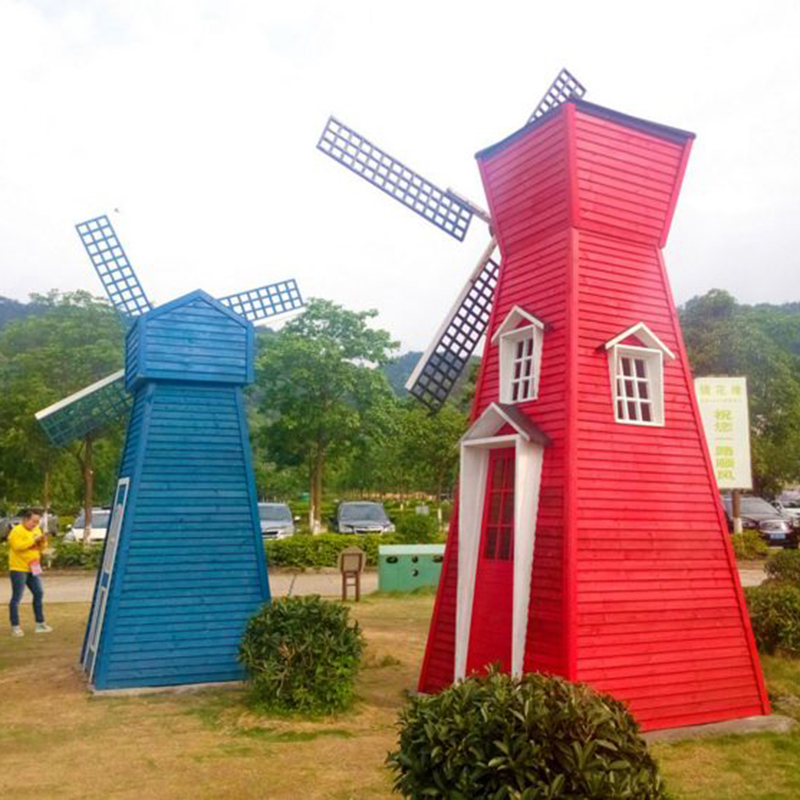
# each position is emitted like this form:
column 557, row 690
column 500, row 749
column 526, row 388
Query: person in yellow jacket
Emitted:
column 25, row 545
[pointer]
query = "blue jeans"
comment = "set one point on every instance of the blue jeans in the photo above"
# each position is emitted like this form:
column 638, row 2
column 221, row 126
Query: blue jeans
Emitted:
column 19, row 580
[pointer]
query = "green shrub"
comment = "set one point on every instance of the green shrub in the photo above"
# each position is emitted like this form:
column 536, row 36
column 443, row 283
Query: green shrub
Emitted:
column 784, row 567
column 418, row 528
column 775, row 617
column 302, row 655
column 749, row 545
column 74, row 555
column 323, row 550
column 534, row 737
column 65, row 555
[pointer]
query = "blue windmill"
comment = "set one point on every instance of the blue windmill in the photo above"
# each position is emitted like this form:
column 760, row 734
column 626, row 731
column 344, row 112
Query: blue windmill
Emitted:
column 183, row 566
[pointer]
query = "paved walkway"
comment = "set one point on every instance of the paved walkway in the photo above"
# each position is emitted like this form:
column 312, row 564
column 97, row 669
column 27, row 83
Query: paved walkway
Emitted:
column 77, row 587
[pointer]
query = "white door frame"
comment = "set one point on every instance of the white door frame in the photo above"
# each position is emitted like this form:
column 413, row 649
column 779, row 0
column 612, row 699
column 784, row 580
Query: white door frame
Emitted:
column 472, row 493
column 104, row 576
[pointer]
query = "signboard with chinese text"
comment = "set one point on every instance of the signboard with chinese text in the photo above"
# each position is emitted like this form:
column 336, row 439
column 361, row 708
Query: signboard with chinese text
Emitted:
column 723, row 408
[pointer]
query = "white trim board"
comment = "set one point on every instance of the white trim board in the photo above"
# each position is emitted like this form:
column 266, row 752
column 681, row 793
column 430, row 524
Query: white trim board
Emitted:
column 529, row 456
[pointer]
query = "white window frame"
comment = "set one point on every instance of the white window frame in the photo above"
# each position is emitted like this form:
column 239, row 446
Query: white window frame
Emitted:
column 654, row 376
column 509, row 343
column 507, row 336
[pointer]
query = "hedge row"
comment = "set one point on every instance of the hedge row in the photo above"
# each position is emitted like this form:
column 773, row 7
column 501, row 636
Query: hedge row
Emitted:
column 299, row 551
column 323, row 550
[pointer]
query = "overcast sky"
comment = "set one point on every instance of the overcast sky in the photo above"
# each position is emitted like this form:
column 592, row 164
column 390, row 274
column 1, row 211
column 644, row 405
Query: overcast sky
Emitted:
column 198, row 120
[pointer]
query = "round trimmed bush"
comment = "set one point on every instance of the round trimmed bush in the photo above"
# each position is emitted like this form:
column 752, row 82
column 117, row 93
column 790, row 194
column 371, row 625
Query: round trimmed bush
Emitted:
column 534, row 737
column 775, row 616
column 784, row 567
column 302, row 655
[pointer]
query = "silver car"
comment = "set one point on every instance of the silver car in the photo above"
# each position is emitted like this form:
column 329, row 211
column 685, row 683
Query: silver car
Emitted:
column 276, row 520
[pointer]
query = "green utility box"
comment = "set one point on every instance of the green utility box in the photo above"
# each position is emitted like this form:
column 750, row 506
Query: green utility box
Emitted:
column 405, row 567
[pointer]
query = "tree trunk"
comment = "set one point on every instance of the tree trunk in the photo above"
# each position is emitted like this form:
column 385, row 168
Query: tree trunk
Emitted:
column 319, row 466
column 88, row 488
column 46, row 500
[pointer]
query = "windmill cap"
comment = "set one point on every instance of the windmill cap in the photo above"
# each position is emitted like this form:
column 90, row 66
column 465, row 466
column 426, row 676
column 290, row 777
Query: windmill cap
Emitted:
column 676, row 135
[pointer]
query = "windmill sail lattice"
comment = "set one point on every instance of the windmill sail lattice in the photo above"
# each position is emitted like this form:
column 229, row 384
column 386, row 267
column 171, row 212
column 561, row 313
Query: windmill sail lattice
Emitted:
column 440, row 207
column 565, row 85
column 448, row 355
column 266, row 301
column 112, row 265
column 86, row 411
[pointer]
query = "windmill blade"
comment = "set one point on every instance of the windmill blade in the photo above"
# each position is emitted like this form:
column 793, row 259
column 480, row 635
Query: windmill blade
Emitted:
column 266, row 301
column 88, row 410
column 565, row 85
column 439, row 206
column 448, row 354
column 112, row 265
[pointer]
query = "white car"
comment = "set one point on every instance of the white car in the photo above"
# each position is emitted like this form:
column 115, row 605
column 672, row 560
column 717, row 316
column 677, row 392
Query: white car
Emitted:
column 97, row 533
column 276, row 521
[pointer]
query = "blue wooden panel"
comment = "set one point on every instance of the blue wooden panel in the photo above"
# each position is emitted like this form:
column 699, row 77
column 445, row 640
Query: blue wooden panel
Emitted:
column 190, row 569
column 195, row 339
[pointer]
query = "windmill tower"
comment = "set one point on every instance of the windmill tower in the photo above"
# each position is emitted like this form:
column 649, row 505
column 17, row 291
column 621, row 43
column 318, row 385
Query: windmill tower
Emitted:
column 589, row 539
column 183, row 565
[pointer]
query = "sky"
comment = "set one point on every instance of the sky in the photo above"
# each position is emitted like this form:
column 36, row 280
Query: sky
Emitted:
column 197, row 121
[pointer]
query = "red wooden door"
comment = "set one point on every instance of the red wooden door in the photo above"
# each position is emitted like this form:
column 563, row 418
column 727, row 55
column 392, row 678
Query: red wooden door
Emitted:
column 490, row 635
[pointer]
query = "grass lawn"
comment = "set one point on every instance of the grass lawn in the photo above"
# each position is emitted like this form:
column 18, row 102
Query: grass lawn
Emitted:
column 58, row 741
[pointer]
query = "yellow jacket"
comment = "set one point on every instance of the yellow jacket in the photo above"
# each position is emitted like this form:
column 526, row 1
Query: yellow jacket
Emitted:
column 21, row 548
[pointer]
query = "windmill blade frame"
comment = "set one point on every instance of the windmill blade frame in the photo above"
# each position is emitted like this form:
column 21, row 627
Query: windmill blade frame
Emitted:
column 447, row 356
column 112, row 266
column 440, row 207
column 265, row 301
column 85, row 411
column 564, row 86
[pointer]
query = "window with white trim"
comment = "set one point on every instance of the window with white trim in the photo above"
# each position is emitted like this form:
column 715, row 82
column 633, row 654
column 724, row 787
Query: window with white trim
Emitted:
column 638, row 385
column 520, row 356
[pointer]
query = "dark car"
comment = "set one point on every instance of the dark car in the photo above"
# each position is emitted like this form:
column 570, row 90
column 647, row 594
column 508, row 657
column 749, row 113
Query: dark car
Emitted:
column 775, row 528
column 362, row 517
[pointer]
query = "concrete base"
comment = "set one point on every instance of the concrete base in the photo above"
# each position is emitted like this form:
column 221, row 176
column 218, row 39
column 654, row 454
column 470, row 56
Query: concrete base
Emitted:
column 774, row 723
column 187, row 688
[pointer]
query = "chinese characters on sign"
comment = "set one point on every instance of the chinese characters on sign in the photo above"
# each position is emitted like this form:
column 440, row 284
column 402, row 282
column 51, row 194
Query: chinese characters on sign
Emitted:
column 723, row 408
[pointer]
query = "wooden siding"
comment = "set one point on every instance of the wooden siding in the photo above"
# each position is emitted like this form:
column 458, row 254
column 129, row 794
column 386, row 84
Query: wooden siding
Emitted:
column 190, row 568
column 660, row 617
column 635, row 588
column 191, row 339
column 626, row 179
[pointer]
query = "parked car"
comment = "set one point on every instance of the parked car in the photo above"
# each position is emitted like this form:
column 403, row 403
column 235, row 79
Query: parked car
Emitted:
column 7, row 523
column 99, row 528
column 790, row 506
column 362, row 517
column 276, row 520
column 775, row 528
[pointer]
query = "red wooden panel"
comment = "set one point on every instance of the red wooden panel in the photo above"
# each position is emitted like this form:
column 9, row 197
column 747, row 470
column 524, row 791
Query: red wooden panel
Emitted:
column 634, row 588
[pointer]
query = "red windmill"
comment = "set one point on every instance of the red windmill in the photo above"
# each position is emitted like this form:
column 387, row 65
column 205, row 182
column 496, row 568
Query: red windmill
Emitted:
column 589, row 540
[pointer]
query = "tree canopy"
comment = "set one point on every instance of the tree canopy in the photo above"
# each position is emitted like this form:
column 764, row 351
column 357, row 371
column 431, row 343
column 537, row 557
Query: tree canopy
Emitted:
column 761, row 343
column 69, row 342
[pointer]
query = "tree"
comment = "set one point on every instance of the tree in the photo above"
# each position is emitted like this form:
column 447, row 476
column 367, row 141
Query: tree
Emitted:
column 71, row 341
column 725, row 338
column 430, row 445
column 315, row 380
